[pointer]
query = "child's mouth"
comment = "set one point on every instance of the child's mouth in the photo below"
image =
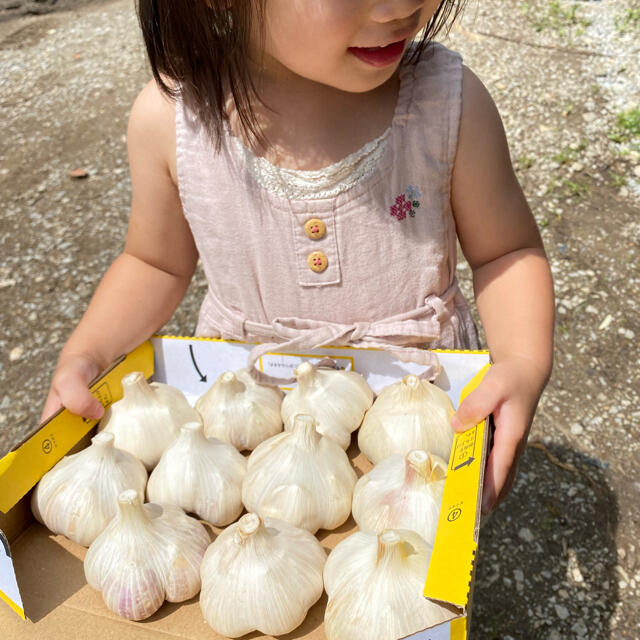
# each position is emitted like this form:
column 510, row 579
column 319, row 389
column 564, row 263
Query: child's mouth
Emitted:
column 379, row 56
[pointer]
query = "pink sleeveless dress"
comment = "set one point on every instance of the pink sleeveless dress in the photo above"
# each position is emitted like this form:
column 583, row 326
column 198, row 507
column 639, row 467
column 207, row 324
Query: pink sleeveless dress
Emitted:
column 370, row 262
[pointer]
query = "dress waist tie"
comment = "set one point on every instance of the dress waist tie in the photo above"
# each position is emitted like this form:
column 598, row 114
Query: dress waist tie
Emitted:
column 404, row 334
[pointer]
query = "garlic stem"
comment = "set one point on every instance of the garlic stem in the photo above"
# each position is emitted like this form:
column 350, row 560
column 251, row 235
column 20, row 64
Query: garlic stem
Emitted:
column 193, row 433
column 103, row 443
column 247, row 526
column 305, row 433
column 131, row 509
column 418, row 467
column 304, row 374
column 135, row 384
column 391, row 549
column 230, row 385
column 412, row 381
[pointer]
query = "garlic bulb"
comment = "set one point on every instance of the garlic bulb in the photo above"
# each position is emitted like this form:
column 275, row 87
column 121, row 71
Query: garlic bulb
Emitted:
column 300, row 477
column 147, row 554
column 203, row 476
column 375, row 583
column 401, row 493
column 409, row 414
column 77, row 498
column 336, row 399
column 238, row 410
column 260, row 575
column 148, row 417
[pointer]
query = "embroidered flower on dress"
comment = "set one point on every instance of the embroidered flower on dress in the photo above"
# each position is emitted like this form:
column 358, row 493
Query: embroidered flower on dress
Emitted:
column 413, row 193
column 406, row 203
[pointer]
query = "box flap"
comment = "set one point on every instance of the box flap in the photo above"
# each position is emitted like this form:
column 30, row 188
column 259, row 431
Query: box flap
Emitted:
column 22, row 467
column 451, row 566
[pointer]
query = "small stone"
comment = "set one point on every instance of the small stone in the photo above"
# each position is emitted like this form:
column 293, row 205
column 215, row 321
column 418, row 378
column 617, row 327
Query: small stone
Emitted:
column 525, row 534
column 16, row 353
column 78, row 174
column 589, row 117
column 576, row 429
column 6, row 283
column 518, row 574
column 561, row 611
column 576, row 574
column 605, row 323
column 636, row 171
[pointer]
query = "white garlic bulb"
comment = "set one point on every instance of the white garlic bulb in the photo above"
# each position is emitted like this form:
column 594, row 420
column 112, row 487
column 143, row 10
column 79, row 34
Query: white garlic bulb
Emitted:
column 336, row 399
column 300, row 477
column 238, row 410
column 77, row 498
column 260, row 575
column 401, row 492
column 409, row 414
column 148, row 417
column 200, row 475
column 147, row 554
column 374, row 583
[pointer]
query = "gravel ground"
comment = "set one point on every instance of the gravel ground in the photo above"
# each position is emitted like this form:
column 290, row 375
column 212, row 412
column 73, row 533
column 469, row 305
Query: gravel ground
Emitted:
column 561, row 557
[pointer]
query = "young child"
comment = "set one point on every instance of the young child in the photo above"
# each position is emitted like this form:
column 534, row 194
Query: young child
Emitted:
column 321, row 165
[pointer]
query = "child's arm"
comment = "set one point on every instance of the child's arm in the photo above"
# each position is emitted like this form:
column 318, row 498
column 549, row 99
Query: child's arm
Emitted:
column 142, row 288
column 512, row 283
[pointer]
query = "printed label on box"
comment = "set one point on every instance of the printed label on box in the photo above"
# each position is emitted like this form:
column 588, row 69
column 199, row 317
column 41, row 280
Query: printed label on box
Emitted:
column 282, row 365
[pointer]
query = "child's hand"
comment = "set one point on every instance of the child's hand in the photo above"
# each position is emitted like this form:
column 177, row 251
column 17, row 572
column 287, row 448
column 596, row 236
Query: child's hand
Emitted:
column 510, row 391
column 70, row 388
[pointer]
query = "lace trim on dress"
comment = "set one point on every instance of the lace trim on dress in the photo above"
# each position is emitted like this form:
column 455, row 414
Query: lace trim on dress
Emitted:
column 316, row 184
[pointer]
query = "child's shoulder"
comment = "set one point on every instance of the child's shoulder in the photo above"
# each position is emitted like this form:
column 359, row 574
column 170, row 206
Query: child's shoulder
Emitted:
column 151, row 130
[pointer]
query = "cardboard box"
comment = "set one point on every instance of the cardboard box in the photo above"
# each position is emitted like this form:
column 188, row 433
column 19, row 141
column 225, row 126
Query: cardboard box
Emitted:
column 42, row 577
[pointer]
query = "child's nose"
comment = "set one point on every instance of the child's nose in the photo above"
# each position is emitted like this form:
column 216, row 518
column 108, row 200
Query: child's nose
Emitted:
column 391, row 10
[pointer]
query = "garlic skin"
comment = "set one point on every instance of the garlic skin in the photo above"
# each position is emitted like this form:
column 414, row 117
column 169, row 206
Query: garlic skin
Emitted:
column 147, row 554
column 409, row 414
column 374, row 583
column 300, row 477
column 336, row 399
column 201, row 475
column 148, row 418
column 260, row 575
column 238, row 410
column 401, row 492
column 77, row 498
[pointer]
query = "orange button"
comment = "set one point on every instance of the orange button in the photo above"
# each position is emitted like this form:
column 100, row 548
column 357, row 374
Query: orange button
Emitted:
column 315, row 228
column 317, row 261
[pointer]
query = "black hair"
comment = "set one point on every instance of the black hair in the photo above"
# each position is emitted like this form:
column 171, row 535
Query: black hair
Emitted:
column 200, row 52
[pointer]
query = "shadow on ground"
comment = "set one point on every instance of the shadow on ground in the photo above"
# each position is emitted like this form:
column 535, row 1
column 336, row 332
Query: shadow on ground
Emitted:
column 560, row 547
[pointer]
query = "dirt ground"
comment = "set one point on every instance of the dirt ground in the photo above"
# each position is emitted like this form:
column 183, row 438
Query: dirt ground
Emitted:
column 561, row 557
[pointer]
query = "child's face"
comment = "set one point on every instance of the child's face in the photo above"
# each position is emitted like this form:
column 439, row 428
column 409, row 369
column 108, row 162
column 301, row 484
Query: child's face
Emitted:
column 352, row 45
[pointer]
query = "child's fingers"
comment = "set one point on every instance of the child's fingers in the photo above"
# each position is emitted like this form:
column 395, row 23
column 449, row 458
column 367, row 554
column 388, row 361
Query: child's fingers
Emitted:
column 508, row 442
column 51, row 405
column 478, row 405
column 74, row 395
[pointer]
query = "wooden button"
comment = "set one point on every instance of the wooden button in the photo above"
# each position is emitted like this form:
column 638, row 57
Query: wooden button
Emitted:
column 317, row 261
column 315, row 228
